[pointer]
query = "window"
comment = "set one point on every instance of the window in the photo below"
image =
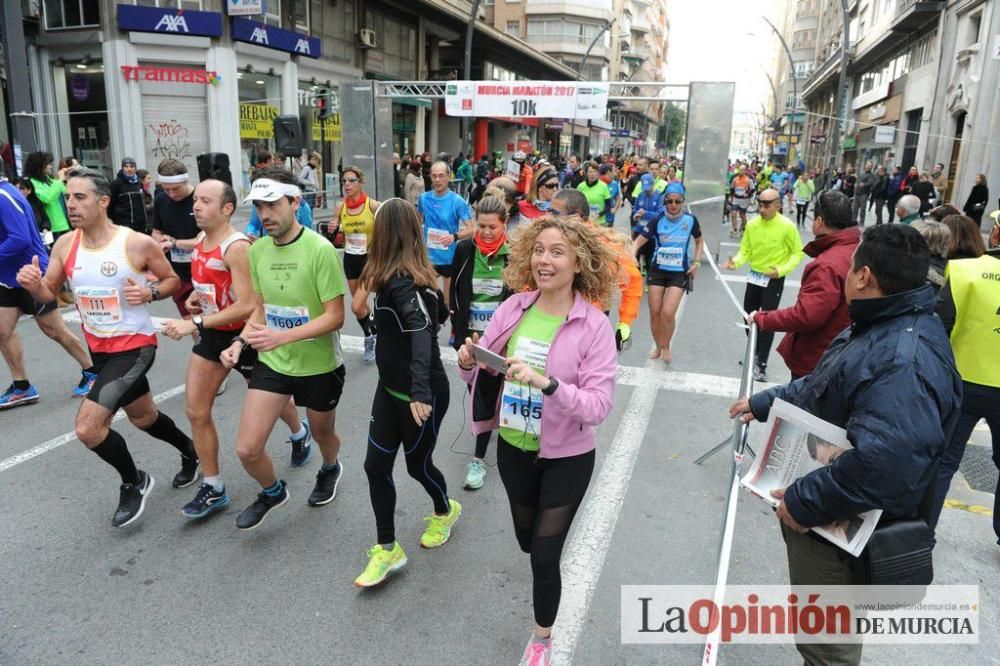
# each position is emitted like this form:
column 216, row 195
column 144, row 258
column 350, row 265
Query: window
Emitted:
column 973, row 28
column 272, row 13
column 923, row 51
column 172, row 4
column 300, row 14
column 513, row 28
column 802, row 69
column 67, row 14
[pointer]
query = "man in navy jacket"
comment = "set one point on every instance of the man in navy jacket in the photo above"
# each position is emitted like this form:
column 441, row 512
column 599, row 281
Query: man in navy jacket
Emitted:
column 890, row 380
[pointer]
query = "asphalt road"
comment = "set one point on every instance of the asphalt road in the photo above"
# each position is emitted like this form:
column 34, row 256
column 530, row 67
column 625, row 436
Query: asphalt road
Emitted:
column 166, row 590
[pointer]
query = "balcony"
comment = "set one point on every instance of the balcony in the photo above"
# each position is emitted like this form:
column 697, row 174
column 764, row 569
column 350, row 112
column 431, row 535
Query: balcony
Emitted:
column 570, row 44
column 914, row 15
column 593, row 9
column 827, row 72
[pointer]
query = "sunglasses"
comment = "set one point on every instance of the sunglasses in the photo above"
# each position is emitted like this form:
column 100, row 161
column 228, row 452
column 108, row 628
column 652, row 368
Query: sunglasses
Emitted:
column 352, row 180
column 550, row 186
column 675, row 201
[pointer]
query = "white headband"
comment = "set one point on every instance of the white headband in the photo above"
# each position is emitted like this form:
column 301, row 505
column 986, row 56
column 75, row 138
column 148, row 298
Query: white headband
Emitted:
column 170, row 180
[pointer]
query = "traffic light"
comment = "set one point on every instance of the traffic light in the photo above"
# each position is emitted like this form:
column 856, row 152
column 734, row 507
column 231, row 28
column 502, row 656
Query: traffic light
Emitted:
column 324, row 103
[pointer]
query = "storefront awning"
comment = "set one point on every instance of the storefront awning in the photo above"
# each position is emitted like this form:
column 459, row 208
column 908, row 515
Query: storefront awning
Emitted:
column 412, row 101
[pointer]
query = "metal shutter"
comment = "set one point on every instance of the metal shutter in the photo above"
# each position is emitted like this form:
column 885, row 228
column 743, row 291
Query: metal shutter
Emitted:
column 174, row 127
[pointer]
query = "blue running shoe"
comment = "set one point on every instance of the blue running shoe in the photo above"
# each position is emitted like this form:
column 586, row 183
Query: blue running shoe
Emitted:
column 87, row 380
column 208, row 500
column 13, row 397
column 302, row 448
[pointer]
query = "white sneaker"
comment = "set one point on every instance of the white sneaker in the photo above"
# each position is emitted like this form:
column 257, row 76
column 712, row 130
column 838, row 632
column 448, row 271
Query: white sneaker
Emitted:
column 223, row 386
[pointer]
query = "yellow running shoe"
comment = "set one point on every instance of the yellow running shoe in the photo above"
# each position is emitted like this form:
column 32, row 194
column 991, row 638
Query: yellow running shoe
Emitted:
column 439, row 528
column 381, row 562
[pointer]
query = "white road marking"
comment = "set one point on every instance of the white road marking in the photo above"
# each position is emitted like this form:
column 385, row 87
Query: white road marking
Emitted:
column 71, row 435
column 583, row 558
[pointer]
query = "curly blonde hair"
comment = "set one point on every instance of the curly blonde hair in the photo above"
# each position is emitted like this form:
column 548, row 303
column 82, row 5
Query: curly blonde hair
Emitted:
column 598, row 251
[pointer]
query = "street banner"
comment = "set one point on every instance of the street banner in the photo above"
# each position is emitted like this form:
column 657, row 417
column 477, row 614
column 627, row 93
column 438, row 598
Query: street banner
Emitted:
column 527, row 99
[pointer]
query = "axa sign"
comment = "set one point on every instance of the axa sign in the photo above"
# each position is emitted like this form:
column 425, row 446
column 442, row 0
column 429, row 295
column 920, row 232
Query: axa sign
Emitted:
column 171, row 21
column 252, row 32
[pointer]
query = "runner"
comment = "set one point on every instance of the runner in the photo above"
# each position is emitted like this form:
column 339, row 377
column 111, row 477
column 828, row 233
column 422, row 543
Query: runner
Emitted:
column 412, row 391
column 446, row 219
column 477, row 291
column 539, row 199
column 19, row 243
column 609, row 174
column 557, row 388
column 357, row 219
column 773, row 248
column 741, row 190
column 572, row 202
column 107, row 266
column 670, row 274
column 220, row 304
column 597, row 192
column 299, row 292
column 648, row 207
column 174, row 227
column 303, row 216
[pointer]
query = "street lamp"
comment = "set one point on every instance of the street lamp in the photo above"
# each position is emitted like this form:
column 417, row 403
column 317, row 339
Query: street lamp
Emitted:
column 579, row 73
column 467, row 70
column 841, row 112
column 791, row 70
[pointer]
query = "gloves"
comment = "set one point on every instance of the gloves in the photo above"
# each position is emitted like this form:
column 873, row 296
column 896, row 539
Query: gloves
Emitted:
column 623, row 336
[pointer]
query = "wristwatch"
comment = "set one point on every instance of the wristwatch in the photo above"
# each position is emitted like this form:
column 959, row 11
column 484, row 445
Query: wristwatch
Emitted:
column 551, row 388
column 154, row 293
column 199, row 322
column 241, row 340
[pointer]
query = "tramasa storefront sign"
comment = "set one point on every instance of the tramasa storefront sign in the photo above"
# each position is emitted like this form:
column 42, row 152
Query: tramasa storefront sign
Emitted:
column 159, row 74
column 261, row 34
column 170, row 21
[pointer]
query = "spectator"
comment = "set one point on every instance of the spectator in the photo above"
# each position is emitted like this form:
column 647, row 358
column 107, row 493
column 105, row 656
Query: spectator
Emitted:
column 413, row 183
column 968, row 292
column 37, row 209
column 978, row 198
column 397, row 176
column 938, row 238
column 146, row 180
column 938, row 213
column 127, row 207
column 820, row 313
column 889, row 380
column 908, row 208
column 923, row 189
column 880, row 192
column 940, row 181
column 425, row 170
column 966, row 242
column 65, row 164
column 912, row 176
column 865, row 184
column 894, row 191
column 38, row 167
column 848, row 183
column 309, row 178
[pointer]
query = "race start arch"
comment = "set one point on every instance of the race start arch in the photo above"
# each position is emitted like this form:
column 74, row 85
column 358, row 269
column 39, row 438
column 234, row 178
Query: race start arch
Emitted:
column 366, row 114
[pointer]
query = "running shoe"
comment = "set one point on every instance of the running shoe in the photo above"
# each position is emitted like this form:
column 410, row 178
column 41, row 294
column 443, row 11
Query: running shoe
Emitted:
column 439, row 527
column 208, row 500
column 759, row 373
column 13, row 397
column 301, row 448
column 253, row 515
column 87, row 380
column 381, row 563
column 132, row 500
column 326, row 486
column 369, row 356
column 538, row 652
column 188, row 473
column 474, row 477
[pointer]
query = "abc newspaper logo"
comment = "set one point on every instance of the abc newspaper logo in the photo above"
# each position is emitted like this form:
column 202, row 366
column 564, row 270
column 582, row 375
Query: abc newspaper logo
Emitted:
column 803, row 614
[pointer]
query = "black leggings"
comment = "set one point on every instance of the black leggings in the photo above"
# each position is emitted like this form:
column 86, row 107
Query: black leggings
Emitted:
column 544, row 495
column 391, row 425
column 800, row 213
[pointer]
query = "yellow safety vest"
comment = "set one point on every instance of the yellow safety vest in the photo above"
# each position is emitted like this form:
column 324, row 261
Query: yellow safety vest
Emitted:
column 975, row 338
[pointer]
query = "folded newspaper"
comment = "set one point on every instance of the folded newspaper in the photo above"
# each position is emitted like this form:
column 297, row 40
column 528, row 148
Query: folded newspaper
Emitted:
column 798, row 443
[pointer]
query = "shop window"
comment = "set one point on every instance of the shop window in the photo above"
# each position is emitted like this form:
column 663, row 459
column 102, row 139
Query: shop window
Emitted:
column 68, row 14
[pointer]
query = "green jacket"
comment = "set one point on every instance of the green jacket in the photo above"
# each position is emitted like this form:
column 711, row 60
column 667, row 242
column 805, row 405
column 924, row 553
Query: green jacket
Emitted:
column 51, row 193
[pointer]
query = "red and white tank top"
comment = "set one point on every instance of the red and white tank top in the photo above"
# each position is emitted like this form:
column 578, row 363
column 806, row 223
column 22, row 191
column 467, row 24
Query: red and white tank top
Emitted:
column 212, row 280
column 98, row 277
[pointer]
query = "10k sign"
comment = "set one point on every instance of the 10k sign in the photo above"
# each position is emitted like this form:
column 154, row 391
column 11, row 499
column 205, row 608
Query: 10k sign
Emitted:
column 526, row 99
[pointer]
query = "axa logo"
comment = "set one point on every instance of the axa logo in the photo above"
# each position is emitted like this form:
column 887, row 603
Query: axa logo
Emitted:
column 302, row 46
column 259, row 35
column 172, row 23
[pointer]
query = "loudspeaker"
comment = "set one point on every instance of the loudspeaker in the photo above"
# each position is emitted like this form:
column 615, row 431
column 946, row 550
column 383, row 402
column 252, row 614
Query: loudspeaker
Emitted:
column 215, row 165
column 288, row 136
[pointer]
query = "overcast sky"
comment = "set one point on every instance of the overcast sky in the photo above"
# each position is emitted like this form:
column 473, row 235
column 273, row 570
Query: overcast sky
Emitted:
column 708, row 41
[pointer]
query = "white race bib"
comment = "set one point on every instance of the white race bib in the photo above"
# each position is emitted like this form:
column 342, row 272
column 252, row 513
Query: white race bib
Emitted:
column 99, row 307
column 356, row 244
column 669, row 257
column 180, row 256
column 487, row 287
column 283, row 318
column 436, row 239
column 759, row 279
column 521, row 405
column 47, row 237
column 480, row 315
column 206, row 297
column 594, row 210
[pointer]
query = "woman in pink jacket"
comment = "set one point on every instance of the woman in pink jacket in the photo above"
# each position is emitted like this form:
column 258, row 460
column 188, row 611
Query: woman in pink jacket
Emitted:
column 561, row 364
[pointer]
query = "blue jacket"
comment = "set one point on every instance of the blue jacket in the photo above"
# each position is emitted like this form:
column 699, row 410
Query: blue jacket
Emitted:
column 303, row 216
column 19, row 237
column 652, row 209
column 890, row 381
column 894, row 183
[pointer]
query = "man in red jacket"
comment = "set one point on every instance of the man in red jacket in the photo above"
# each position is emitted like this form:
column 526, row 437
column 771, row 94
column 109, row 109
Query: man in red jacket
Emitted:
column 820, row 312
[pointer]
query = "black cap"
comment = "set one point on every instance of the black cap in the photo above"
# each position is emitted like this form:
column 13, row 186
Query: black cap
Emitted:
column 128, row 161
